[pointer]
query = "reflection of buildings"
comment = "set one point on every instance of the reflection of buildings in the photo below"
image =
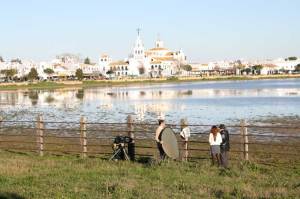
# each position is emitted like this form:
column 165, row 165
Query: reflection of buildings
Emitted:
column 145, row 102
column 159, row 109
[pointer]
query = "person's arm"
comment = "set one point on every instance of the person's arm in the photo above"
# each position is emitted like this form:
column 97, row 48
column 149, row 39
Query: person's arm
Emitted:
column 182, row 134
column 188, row 132
column 158, row 130
column 223, row 140
column 227, row 137
column 219, row 139
column 210, row 138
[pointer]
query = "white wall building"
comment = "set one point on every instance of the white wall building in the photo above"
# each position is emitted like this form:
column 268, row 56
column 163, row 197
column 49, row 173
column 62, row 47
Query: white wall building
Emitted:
column 155, row 62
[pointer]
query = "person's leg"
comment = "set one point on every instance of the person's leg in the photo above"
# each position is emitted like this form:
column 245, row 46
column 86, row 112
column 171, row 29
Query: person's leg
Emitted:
column 212, row 156
column 225, row 164
column 222, row 158
column 218, row 159
column 213, row 159
column 186, row 151
column 161, row 151
column 182, row 151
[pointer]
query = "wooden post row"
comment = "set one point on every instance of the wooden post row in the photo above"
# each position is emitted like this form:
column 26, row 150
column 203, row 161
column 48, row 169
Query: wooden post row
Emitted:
column 83, row 139
column 244, row 134
column 131, row 146
column 40, row 135
column 1, row 119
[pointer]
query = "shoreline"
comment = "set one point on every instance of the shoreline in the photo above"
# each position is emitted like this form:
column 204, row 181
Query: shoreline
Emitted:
column 129, row 82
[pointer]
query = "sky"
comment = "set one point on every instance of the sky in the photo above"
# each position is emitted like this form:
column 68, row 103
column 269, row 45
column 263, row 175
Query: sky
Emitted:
column 206, row 30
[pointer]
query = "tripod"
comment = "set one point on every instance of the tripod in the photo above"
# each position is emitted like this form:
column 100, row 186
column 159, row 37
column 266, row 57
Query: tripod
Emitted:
column 120, row 152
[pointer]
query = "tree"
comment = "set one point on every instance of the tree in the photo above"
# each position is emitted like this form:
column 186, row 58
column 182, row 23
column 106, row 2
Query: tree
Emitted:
column 141, row 70
column 87, row 61
column 110, row 72
column 186, row 67
column 246, row 70
column 292, row 58
column 257, row 68
column 297, row 68
column 16, row 61
column 1, row 59
column 33, row 74
column 10, row 73
column 79, row 74
column 48, row 71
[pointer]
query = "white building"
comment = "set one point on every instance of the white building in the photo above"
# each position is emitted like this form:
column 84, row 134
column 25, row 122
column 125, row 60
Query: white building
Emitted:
column 155, row 62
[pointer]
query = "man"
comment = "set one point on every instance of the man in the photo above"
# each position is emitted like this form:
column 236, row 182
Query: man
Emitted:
column 225, row 146
column 184, row 134
column 158, row 134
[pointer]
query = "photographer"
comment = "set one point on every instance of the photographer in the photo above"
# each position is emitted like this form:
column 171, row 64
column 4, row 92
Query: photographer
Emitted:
column 158, row 134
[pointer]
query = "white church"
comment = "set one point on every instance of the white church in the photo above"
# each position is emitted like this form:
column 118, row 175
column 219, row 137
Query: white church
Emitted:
column 155, row 62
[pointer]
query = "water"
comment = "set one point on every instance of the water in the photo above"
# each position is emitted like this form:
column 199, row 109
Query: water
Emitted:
column 199, row 102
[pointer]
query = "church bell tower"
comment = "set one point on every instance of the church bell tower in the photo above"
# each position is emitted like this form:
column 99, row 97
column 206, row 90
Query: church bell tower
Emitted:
column 139, row 50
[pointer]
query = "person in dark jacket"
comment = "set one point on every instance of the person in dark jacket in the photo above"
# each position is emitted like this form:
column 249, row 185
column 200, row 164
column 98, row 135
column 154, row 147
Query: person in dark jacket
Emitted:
column 225, row 145
column 158, row 140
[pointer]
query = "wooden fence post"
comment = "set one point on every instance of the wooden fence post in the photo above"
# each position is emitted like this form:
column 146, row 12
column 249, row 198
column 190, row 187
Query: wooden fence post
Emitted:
column 40, row 134
column 131, row 146
column 1, row 119
column 244, row 133
column 83, row 140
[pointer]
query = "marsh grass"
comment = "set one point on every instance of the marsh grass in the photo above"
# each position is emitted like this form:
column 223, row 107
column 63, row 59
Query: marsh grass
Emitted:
column 30, row 176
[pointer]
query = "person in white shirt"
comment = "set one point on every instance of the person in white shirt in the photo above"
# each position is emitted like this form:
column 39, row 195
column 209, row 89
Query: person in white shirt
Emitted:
column 215, row 140
column 185, row 134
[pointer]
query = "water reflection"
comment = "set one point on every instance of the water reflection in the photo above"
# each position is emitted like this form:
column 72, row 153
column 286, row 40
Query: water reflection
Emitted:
column 50, row 99
column 80, row 94
column 200, row 102
column 33, row 96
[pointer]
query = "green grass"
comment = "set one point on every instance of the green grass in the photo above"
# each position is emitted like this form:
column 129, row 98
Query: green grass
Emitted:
column 30, row 176
column 93, row 83
column 39, row 85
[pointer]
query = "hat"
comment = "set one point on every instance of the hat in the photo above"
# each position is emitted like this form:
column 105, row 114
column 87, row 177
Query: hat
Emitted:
column 161, row 116
column 183, row 122
column 222, row 126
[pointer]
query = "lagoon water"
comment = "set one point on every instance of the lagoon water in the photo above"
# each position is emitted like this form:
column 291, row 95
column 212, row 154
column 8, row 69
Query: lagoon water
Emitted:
column 199, row 102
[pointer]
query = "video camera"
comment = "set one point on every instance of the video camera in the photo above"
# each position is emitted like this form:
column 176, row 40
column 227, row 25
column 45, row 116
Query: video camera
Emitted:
column 119, row 146
column 122, row 140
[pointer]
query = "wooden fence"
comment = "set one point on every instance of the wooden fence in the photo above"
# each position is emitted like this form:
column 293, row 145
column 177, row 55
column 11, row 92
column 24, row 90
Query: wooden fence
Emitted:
column 265, row 144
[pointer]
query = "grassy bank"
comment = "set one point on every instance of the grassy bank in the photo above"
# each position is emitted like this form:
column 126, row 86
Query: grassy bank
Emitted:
column 93, row 83
column 30, row 176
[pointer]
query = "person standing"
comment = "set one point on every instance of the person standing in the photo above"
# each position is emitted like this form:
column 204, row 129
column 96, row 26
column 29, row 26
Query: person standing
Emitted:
column 215, row 141
column 158, row 135
column 185, row 134
column 225, row 146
